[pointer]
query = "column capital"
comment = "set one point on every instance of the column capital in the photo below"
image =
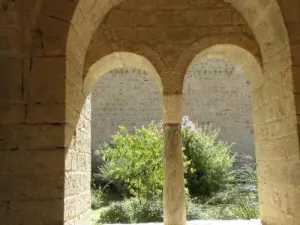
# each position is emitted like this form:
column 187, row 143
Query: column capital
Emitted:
column 172, row 108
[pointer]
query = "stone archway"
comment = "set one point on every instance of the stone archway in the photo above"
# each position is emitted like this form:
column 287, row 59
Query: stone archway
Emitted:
column 54, row 59
column 272, row 145
column 78, row 156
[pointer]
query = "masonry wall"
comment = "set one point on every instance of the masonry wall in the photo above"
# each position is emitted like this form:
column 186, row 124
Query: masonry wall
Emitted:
column 78, row 171
column 123, row 97
column 214, row 92
column 218, row 93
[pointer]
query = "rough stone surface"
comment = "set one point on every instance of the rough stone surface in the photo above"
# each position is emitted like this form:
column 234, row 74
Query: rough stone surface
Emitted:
column 123, row 97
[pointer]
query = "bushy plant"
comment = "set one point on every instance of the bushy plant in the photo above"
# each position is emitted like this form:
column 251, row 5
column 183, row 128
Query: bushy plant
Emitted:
column 146, row 211
column 194, row 211
column 133, row 162
column 243, row 208
column 117, row 212
column 240, row 198
column 211, row 162
column 132, row 211
column 98, row 198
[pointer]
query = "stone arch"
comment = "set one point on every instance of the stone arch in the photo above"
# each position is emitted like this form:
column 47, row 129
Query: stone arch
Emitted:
column 110, row 63
column 80, row 140
column 220, row 46
column 259, row 15
column 238, row 56
column 273, row 126
column 118, row 60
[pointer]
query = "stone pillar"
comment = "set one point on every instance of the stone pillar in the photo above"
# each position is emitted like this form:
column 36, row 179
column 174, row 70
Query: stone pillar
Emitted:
column 174, row 202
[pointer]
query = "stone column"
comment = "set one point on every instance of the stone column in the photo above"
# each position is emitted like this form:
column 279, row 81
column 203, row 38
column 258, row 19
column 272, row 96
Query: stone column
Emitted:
column 174, row 202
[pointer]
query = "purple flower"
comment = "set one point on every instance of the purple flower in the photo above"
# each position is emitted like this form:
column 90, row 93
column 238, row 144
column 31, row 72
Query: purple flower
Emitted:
column 185, row 118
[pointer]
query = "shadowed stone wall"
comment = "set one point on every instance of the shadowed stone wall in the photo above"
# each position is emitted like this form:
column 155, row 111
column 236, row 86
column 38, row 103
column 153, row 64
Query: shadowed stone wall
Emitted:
column 214, row 92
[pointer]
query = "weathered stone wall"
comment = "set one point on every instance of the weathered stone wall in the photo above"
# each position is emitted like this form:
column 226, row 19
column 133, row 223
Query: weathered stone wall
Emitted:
column 78, row 171
column 215, row 92
column 123, row 97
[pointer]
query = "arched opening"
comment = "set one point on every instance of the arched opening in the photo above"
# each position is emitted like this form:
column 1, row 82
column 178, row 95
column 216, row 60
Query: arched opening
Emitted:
column 218, row 86
column 115, row 86
column 118, row 60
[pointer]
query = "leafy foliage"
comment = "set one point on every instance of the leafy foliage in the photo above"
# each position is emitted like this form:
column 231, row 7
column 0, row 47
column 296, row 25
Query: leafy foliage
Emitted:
column 117, row 212
column 133, row 162
column 132, row 211
column 97, row 198
column 239, row 200
column 210, row 161
column 146, row 211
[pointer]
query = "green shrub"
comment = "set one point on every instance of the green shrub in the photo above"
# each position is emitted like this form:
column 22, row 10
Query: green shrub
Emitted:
column 136, row 161
column 194, row 211
column 146, row 211
column 133, row 162
column 132, row 211
column 240, row 198
column 98, row 198
column 117, row 212
column 243, row 208
column 211, row 161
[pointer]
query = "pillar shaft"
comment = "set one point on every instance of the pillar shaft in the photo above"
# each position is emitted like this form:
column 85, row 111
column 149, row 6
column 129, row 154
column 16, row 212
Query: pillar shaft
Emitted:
column 174, row 202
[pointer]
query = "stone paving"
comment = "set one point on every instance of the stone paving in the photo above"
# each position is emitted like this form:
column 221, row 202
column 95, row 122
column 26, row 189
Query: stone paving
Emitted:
column 212, row 222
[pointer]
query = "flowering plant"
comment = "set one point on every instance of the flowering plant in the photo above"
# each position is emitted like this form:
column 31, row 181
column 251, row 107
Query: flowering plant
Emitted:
column 135, row 160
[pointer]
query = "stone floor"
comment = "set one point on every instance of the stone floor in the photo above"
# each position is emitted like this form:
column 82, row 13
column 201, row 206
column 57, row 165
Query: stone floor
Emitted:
column 212, row 222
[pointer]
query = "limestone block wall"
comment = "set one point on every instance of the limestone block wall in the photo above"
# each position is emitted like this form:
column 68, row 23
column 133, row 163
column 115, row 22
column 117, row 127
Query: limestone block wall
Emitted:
column 78, row 171
column 218, row 93
column 214, row 92
column 123, row 97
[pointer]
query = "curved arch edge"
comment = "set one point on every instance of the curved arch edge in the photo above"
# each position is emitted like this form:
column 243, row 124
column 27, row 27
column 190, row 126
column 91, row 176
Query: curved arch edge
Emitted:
column 118, row 60
column 236, row 55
